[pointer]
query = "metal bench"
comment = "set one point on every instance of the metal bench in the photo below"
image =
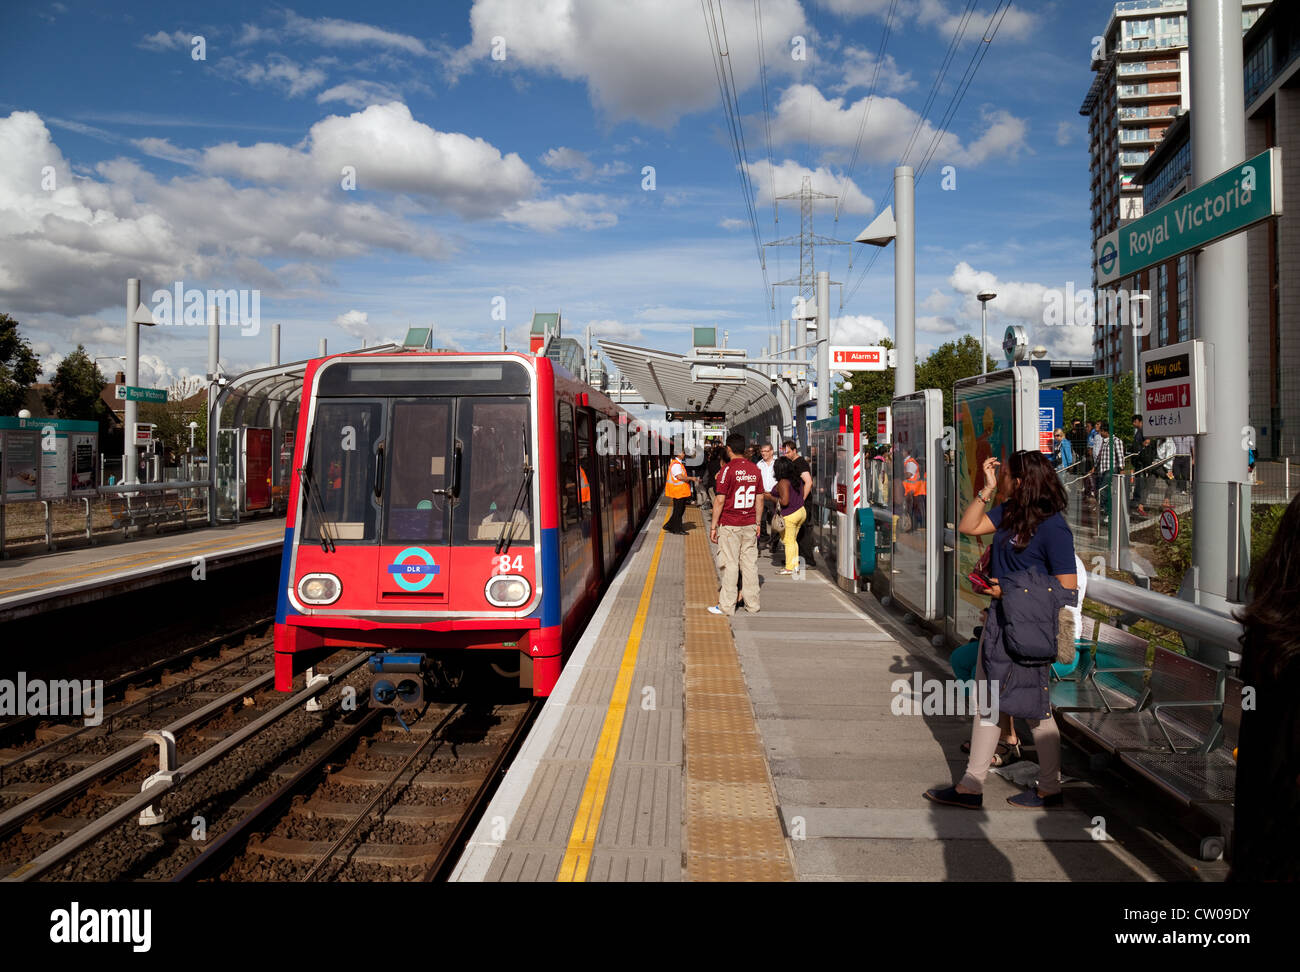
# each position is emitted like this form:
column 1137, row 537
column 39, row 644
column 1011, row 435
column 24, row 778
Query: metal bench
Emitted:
column 1115, row 679
column 1205, row 778
column 1184, row 695
column 151, row 508
column 1070, row 690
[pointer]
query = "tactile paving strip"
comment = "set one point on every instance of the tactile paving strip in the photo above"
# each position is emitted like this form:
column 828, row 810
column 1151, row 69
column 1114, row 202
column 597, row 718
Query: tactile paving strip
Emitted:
column 733, row 832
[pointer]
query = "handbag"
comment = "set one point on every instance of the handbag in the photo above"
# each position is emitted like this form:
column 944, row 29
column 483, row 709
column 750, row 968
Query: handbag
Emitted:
column 979, row 577
column 778, row 523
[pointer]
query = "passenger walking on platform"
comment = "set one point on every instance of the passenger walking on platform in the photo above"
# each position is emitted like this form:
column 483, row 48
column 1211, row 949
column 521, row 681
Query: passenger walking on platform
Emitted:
column 765, row 468
column 677, row 489
column 787, row 497
column 1266, row 841
column 804, row 474
column 737, row 518
column 1033, row 548
column 1108, row 454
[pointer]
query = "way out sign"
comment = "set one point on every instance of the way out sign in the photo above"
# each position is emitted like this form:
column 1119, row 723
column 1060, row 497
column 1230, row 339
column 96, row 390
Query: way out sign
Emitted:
column 1173, row 390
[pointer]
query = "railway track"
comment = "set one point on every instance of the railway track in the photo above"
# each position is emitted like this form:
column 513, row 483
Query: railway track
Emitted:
column 381, row 804
column 243, row 783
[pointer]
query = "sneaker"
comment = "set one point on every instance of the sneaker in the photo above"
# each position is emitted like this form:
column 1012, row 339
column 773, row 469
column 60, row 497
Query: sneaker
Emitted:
column 784, row 573
column 714, row 609
column 1030, row 800
column 950, row 796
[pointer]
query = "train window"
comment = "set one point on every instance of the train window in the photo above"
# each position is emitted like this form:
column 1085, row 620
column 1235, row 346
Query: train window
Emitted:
column 586, row 469
column 342, row 467
column 420, row 461
column 570, row 504
column 495, row 433
column 422, row 375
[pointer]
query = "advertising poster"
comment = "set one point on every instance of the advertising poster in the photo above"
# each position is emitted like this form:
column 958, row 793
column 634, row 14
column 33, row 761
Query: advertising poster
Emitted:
column 83, row 462
column 54, row 465
column 985, row 426
column 20, row 464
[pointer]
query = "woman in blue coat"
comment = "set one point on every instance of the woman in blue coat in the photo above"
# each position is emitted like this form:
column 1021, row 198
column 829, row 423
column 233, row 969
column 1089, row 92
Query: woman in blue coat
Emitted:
column 1029, row 535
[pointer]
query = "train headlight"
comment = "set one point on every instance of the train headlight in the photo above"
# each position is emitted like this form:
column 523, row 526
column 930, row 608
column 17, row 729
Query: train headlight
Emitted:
column 319, row 588
column 507, row 590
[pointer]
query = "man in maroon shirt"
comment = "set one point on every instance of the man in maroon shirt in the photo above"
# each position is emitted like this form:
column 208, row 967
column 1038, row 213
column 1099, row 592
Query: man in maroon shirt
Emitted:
column 737, row 520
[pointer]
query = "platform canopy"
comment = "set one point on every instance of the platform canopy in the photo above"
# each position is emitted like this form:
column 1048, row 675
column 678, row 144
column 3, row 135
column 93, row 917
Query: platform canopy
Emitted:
column 665, row 377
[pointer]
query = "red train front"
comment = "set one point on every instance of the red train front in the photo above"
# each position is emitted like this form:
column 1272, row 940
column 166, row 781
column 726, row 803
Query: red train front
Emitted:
column 448, row 503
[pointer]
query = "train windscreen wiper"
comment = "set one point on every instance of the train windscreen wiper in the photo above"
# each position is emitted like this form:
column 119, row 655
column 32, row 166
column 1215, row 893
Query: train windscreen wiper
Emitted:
column 317, row 507
column 508, row 528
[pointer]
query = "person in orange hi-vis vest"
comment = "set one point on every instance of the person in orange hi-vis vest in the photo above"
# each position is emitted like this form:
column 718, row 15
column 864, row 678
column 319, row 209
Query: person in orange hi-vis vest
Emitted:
column 677, row 489
column 914, row 488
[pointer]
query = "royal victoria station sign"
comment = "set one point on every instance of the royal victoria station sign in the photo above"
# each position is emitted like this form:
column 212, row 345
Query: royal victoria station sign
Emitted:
column 1232, row 201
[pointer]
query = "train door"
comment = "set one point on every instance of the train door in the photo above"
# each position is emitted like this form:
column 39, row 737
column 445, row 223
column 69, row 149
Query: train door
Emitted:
column 577, row 548
column 590, row 485
column 416, row 489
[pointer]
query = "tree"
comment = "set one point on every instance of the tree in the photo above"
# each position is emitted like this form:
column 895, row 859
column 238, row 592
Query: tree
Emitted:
column 173, row 416
column 74, row 392
column 947, row 364
column 19, row 367
column 1106, row 400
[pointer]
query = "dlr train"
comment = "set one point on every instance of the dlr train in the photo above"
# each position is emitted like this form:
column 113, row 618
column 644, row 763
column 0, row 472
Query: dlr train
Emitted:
column 448, row 504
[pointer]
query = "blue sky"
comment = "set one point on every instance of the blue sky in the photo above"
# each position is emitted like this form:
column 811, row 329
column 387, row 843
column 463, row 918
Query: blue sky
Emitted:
column 124, row 154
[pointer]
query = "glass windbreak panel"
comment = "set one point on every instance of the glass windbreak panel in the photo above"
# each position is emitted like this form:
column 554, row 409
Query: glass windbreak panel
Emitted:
column 344, row 440
column 420, row 462
column 495, row 433
column 227, row 473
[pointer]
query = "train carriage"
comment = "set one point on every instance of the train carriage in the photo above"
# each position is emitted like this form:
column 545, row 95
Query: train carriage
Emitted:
column 451, row 503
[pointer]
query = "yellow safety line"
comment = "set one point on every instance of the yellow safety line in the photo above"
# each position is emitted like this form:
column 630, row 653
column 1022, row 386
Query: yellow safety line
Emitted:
column 577, row 857
column 147, row 560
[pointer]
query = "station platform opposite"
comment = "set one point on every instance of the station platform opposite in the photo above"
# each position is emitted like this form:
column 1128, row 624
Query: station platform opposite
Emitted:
column 681, row 746
column 34, row 584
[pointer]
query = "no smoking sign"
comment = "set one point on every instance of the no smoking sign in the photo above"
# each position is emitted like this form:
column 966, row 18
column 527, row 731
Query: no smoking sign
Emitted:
column 1168, row 526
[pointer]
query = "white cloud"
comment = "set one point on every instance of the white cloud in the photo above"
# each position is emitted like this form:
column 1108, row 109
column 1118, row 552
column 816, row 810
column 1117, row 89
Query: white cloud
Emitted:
column 360, row 94
column 162, row 148
column 732, row 224
column 610, row 330
column 1021, row 302
column 937, row 301
column 647, row 60
column 855, row 8
column 332, row 32
column 660, row 312
column 391, row 151
column 563, row 159
column 1017, row 24
column 860, row 68
column 860, row 329
column 68, row 251
column 278, row 71
column 581, row 210
column 1065, row 133
column 355, row 322
column 938, row 325
column 164, row 41
column 789, row 176
column 803, row 108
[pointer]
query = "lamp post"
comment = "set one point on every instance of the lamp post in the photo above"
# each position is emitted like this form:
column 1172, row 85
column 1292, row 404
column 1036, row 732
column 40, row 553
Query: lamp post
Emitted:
column 1135, row 319
column 984, row 296
column 1085, row 414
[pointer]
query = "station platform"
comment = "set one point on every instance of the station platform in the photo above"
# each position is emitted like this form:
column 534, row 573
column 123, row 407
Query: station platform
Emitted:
column 683, row 746
column 31, row 585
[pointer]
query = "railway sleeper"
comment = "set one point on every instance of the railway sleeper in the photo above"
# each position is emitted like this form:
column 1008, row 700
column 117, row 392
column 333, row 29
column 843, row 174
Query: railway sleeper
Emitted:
column 394, row 855
column 417, row 814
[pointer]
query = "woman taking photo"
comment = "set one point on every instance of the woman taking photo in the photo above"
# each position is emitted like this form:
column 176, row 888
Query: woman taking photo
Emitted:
column 787, row 494
column 1030, row 536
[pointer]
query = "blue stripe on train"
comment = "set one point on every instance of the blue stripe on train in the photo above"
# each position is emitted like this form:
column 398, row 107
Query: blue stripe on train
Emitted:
column 282, row 606
column 549, row 571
